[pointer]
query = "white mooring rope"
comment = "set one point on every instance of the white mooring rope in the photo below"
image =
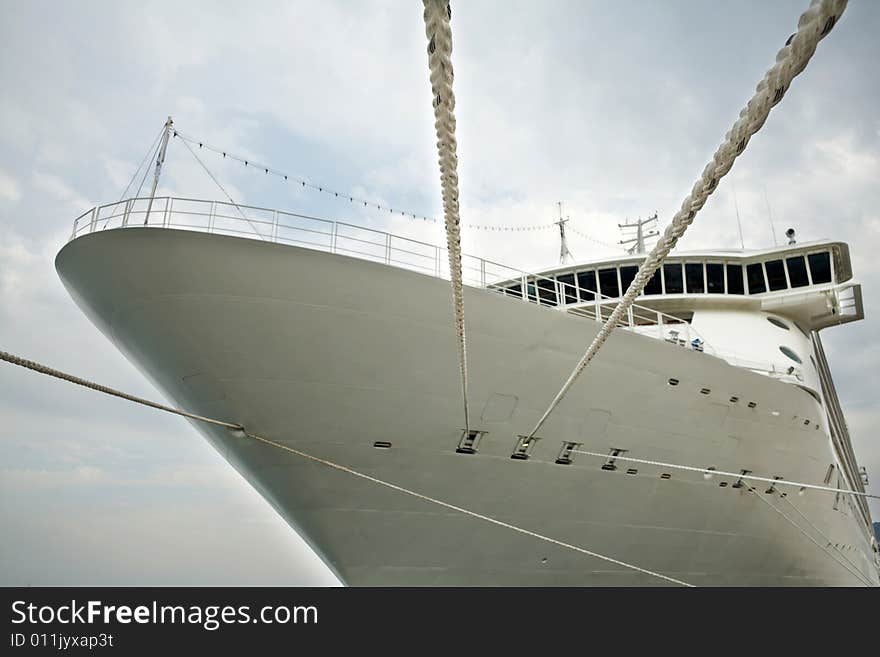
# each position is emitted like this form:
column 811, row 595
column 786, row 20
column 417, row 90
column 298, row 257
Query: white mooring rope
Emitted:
column 437, row 15
column 855, row 573
column 43, row 369
column 238, row 429
column 722, row 473
column 828, row 542
column 813, row 25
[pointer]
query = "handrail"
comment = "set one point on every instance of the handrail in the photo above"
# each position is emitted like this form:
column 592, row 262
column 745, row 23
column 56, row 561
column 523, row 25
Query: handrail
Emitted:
column 340, row 237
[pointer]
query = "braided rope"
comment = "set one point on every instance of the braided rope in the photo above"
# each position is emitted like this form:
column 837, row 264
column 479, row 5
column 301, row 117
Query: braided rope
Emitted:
column 240, row 431
column 813, row 25
column 437, row 15
column 43, row 369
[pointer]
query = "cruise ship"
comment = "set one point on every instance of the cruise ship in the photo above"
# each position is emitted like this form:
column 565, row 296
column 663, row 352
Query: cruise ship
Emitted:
column 337, row 341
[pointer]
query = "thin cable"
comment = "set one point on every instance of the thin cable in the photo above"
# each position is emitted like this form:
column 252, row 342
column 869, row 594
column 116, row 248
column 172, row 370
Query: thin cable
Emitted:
column 155, row 153
column 616, row 247
column 470, row 513
column 855, row 574
column 266, row 169
column 437, row 15
column 818, row 531
column 43, row 369
column 813, row 25
column 272, row 171
column 222, row 189
column 143, row 162
column 152, row 152
column 709, row 471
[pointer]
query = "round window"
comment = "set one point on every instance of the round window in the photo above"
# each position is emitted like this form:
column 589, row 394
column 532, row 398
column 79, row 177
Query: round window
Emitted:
column 778, row 322
column 788, row 352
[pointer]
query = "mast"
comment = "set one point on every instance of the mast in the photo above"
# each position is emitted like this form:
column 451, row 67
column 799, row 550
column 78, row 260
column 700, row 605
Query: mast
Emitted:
column 638, row 242
column 564, row 254
column 160, row 160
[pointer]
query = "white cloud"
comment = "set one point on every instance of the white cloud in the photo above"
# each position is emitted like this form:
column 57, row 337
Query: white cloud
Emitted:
column 9, row 188
column 613, row 112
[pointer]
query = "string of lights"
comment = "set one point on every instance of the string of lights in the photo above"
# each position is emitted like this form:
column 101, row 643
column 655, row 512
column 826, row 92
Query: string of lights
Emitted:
column 593, row 239
column 352, row 198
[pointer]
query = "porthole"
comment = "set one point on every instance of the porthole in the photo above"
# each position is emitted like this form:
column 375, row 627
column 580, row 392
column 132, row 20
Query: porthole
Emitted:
column 705, row 391
column 673, row 382
column 779, row 323
column 734, row 399
column 788, row 352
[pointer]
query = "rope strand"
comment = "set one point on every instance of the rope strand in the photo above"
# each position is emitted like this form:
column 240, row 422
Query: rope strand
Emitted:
column 237, row 428
column 437, row 16
column 813, row 26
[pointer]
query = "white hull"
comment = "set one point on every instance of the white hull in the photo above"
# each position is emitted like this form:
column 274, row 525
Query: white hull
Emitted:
column 329, row 354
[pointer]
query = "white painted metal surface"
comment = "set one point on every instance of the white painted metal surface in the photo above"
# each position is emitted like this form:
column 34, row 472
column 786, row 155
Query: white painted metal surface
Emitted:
column 330, row 354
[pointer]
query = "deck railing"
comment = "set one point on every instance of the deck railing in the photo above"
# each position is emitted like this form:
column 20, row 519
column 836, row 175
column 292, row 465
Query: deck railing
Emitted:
column 357, row 241
column 370, row 244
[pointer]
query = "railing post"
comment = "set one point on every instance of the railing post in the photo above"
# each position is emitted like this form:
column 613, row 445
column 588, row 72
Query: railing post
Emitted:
column 659, row 325
column 211, row 214
column 523, row 282
column 125, row 212
column 275, row 226
column 73, row 234
column 387, row 248
column 437, row 261
column 629, row 317
column 482, row 272
column 334, row 236
column 94, row 219
column 165, row 213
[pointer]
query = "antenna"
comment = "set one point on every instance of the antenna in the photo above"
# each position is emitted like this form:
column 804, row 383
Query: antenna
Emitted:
column 738, row 222
column 160, row 160
column 770, row 217
column 638, row 242
column 564, row 254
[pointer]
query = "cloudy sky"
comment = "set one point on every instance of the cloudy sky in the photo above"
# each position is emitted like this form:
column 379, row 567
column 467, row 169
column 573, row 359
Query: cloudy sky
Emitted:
column 612, row 108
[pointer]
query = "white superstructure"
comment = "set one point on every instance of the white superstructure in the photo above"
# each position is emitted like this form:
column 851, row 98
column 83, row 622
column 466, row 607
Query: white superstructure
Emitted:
column 337, row 341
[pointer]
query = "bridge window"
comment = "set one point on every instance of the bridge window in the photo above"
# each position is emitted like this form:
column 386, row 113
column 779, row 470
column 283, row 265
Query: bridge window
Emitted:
column 587, row 285
column 715, row 278
column 788, row 352
column 567, row 287
column 776, row 275
column 797, row 271
column 627, row 274
column 820, row 267
column 673, row 278
column 608, row 282
column 735, row 279
column 514, row 291
column 655, row 284
column 547, row 291
column 755, row 274
column 693, row 274
column 531, row 291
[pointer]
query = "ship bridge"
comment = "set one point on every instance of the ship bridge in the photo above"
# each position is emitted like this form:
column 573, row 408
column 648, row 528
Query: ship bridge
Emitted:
column 810, row 284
